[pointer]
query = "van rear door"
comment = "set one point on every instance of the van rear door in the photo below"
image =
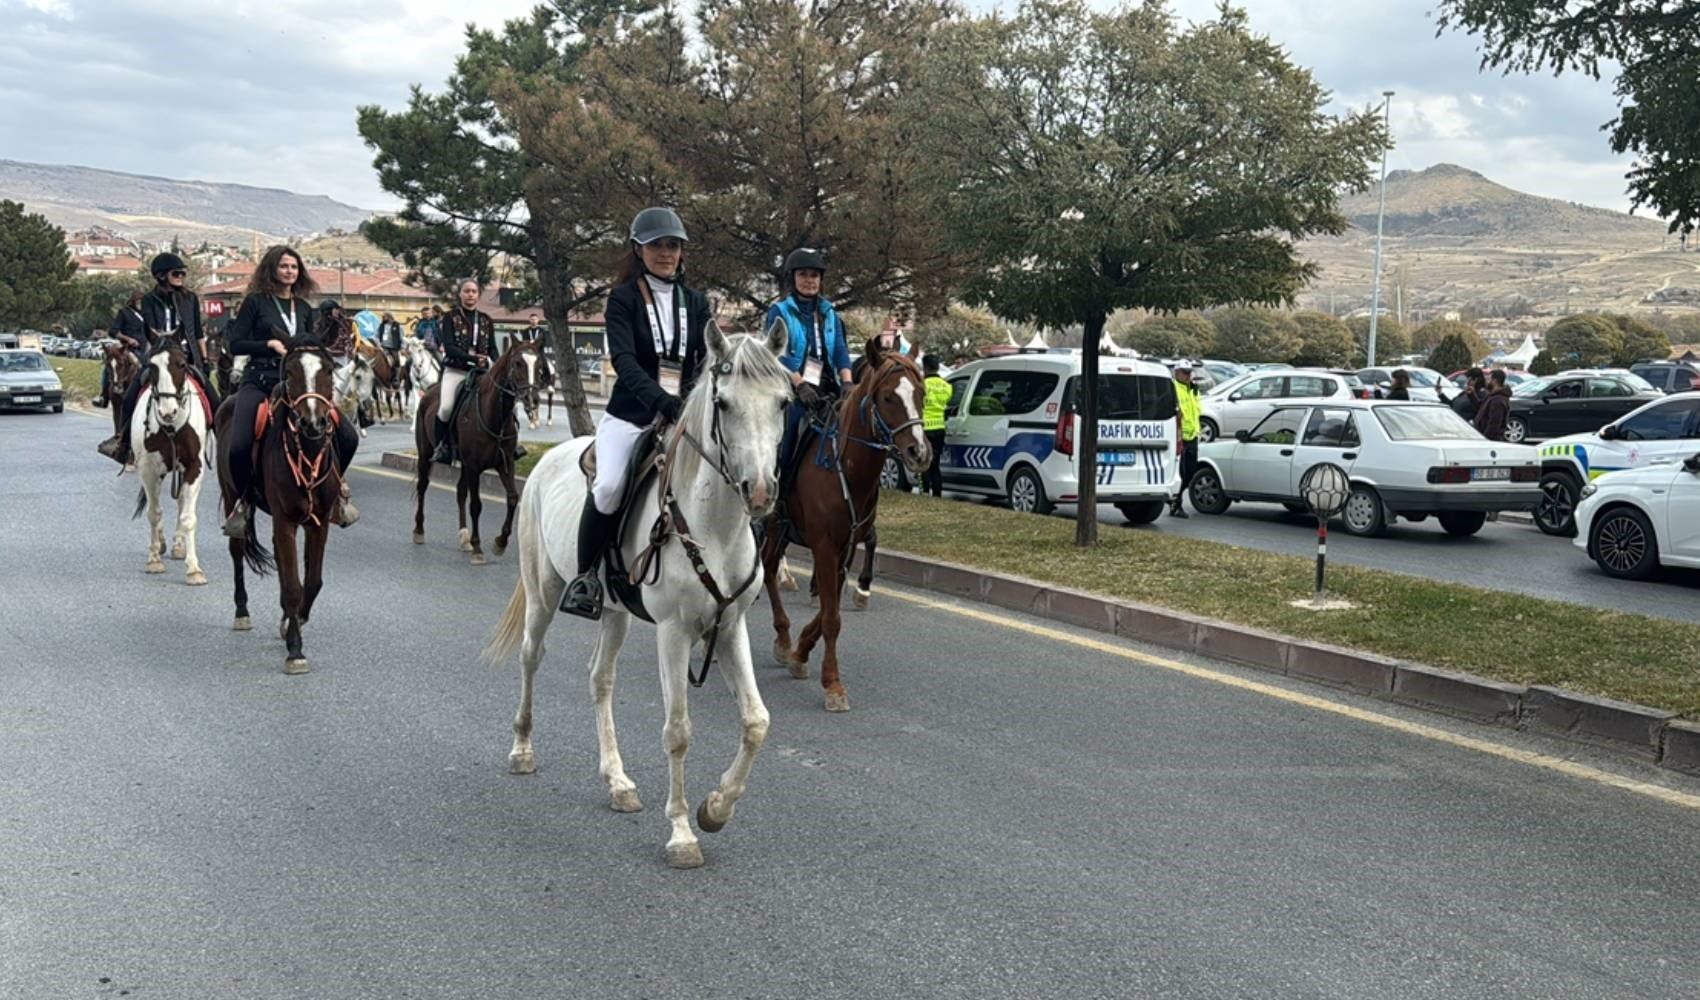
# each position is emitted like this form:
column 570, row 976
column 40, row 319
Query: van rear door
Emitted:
column 1136, row 429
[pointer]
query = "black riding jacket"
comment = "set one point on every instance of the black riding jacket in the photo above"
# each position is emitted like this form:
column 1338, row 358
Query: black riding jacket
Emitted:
column 164, row 311
column 261, row 318
column 638, row 395
column 464, row 334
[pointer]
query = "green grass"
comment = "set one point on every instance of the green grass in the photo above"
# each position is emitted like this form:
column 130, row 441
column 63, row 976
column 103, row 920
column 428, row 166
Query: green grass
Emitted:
column 533, row 451
column 1510, row 637
column 80, row 377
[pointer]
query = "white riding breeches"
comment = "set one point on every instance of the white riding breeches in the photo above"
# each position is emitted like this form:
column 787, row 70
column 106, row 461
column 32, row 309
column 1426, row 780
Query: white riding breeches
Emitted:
column 615, row 439
column 449, row 386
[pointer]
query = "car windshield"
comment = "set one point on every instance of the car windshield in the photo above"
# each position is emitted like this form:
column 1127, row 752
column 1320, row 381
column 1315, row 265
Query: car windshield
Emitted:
column 1424, row 423
column 1533, row 387
column 23, row 363
column 1424, row 376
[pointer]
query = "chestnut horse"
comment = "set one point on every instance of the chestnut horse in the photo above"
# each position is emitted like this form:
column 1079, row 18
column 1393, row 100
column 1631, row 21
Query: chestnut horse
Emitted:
column 486, row 433
column 832, row 498
column 121, row 366
column 295, row 465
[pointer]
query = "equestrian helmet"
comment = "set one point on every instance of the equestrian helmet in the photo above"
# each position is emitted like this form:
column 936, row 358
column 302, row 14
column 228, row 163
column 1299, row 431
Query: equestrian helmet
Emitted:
column 164, row 264
column 653, row 224
column 805, row 259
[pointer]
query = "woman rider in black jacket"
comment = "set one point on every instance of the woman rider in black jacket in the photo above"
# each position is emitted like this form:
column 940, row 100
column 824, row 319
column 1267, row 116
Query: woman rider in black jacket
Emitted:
column 274, row 316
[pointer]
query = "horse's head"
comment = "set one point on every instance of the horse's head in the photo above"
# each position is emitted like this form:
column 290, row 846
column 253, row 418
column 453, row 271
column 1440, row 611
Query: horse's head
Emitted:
column 306, row 388
column 530, row 376
column 890, row 395
column 167, row 375
column 120, row 364
column 737, row 411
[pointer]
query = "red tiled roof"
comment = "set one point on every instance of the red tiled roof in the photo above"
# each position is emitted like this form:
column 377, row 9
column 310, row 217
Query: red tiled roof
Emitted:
column 120, row 263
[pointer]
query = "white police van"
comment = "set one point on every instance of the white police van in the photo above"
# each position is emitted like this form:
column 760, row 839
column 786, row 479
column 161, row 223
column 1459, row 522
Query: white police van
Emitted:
column 1012, row 426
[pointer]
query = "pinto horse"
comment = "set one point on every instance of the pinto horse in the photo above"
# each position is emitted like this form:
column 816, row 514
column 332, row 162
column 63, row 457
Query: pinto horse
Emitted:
column 295, row 462
column 486, row 432
column 420, row 369
column 693, row 521
column 168, row 436
column 540, row 379
column 832, row 499
column 386, row 382
column 121, row 366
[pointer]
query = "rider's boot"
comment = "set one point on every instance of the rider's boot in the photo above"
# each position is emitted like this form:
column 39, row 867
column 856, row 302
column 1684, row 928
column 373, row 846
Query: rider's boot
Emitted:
column 345, row 513
column 100, row 400
column 583, row 596
column 442, row 455
column 519, row 451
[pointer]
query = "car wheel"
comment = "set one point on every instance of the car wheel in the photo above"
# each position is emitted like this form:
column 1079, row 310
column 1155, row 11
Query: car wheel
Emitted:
column 1207, row 431
column 1363, row 514
column 1555, row 514
column 58, row 407
column 1462, row 523
column 893, row 476
column 1296, row 508
column 1208, row 496
column 1516, row 430
column 1141, row 511
column 1027, row 493
column 1623, row 544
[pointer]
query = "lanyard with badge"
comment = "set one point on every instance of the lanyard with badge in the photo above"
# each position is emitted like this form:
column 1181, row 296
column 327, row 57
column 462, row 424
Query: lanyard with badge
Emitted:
column 472, row 330
column 287, row 315
column 670, row 351
column 813, row 365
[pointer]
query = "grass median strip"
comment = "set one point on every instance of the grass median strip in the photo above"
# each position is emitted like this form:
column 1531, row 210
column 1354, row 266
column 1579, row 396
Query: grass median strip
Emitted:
column 1510, row 637
column 80, row 377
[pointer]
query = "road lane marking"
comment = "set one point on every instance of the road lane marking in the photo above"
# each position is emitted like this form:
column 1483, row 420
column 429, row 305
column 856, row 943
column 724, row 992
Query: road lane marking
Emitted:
column 413, row 480
column 1547, row 762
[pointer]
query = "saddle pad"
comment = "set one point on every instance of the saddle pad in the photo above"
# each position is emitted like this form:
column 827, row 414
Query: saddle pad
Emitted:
column 262, row 417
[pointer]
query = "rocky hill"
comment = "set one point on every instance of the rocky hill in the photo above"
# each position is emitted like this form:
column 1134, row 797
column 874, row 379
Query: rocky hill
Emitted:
column 156, row 209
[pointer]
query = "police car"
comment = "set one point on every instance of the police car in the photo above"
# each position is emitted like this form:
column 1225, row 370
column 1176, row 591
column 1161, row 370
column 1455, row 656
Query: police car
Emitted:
column 1632, row 522
column 1663, row 432
column 1013, row 425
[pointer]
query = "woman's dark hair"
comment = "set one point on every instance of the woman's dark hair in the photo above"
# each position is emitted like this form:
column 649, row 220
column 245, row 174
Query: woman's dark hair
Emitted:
column 135, row 299
column 631, row 265
column 264, row 279
column 1475, row 374
column 1402, row 377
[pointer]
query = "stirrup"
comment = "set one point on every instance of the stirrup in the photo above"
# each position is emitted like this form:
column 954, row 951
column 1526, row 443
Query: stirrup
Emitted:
column 112, row 448
column 236, row 525
column 442, row 455
column 99, row 401
column 583, row 596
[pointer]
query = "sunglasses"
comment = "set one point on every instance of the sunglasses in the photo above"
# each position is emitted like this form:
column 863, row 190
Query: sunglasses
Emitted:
column 179, row 273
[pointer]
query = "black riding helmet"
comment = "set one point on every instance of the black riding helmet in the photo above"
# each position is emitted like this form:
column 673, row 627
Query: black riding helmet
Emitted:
column 653, row 224
column 804, row 259
column 164, row 264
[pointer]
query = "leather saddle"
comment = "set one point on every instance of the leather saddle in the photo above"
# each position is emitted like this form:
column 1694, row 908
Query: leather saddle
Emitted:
column 467, row 395
column 641, row 470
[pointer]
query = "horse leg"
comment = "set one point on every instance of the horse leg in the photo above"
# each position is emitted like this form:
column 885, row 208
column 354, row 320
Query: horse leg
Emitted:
column 865, row 582
column 673, row 651
column 739, row 671
column 156, row 533
column 186, row 522
column 772, row 550
column 460, row 502
column 830, row 574
column 506, row 472
column 316, row 536
column 241, row 623
column 604, row 664
column 476, row 504
column 421, row 485
column 288, row 592
column 540, row 588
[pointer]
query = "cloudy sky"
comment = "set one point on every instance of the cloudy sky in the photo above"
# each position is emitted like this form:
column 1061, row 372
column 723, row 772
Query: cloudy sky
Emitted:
column 264, row 92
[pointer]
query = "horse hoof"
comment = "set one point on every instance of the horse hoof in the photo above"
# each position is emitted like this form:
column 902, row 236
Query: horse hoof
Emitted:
column 196, row 579
column 624, row 800
column 522, row 763
column 799, row 667
column 465, row 540
column 788, row 582
column 706, row 824
column 178, row 551
column 837, row 701
column 296, row 666
column 781, row 654
column 478, row 559
column 419, row 538
column 155, row 566
column 684, row 855
column 242, row 624
column 860, row 600
column 498, row 550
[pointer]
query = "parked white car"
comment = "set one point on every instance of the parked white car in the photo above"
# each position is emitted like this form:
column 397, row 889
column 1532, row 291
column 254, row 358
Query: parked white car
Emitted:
column 1663, row 432
column 1403, row 459
column 1631, row 523
column 1239, row 404
column 1424, row 381
column 1012, row 424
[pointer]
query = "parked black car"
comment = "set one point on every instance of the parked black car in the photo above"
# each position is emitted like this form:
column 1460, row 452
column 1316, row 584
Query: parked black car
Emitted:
column 1671, row 376
column 1553, row 407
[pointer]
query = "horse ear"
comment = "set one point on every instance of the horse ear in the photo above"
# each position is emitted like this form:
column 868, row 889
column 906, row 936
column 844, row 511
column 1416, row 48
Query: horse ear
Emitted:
column 778, row 338
column 871, row 350
column 717, row 343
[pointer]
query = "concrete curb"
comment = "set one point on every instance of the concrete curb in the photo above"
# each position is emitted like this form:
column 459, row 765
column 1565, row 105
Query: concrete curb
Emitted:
column 1649, row 735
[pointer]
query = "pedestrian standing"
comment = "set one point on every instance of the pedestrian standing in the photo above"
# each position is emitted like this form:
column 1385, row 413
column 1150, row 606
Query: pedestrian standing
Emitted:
column 932, row 421
column 1495, row 408
column 425, row 327
column 536, row 333
column 1467, row 403
column 1186, row 431
column 1401, row 385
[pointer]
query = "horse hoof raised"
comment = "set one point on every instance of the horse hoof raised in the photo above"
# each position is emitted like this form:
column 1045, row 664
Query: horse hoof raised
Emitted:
column 242, row 624
column 798, row 666
column 478, row 559
column 684, row 855
column 419, row 538
column 837, row 701
column 522, row 763
column 860, row 600
column 195, row 578
column 154, row 566
column 624, row 800
column 704, row 822
column 297, row 665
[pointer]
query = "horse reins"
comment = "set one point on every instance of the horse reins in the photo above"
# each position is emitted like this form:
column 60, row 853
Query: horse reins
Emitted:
column 309, row 472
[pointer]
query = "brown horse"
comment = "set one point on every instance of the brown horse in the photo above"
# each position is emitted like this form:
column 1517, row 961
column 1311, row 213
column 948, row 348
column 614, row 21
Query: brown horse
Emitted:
column 830, row 505
column 121, row 366
column 295, row 459
column 486, row 433
column 386, row 382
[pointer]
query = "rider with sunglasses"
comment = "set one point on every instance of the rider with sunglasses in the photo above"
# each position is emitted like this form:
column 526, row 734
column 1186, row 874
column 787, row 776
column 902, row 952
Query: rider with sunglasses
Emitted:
column 169, row 311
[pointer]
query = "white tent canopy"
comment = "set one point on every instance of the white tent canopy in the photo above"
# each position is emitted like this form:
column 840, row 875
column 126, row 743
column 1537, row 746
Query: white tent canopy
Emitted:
column 1522, row 356
column 1038, row 343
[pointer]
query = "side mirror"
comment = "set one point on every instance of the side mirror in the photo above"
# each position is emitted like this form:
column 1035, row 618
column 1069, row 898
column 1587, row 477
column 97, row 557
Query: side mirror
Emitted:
column 1692, row 464
column 1609, row 433
column 1242, row 436
column 1236, row 397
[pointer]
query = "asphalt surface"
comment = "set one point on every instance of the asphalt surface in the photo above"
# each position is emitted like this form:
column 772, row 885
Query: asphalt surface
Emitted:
column 1003, row 813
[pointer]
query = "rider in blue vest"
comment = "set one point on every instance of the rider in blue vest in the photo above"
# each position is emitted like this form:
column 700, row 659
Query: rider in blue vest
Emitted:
column 816, row 339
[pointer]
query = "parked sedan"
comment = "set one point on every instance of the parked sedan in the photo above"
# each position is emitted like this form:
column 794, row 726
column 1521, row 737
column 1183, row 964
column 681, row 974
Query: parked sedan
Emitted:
column 1240, row 403
column 1631, row 523
column 28, row 381
column 1403, row 459
column 1545, row 408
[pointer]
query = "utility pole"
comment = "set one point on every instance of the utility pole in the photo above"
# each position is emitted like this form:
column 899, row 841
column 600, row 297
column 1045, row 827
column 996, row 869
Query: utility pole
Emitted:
column 1375, row 295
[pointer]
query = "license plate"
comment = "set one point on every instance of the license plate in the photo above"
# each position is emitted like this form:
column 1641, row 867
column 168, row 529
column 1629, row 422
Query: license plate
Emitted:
column 26, row 399
column 1489, row 475
column 1116, row 458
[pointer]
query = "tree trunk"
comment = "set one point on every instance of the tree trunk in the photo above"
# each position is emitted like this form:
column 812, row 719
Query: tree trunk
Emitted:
column 1086, row 449
column 557, row 289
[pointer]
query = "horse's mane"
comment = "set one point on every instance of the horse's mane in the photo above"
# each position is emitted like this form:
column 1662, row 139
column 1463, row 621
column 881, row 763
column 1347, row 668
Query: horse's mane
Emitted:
column 864, row 385
column 748, row 358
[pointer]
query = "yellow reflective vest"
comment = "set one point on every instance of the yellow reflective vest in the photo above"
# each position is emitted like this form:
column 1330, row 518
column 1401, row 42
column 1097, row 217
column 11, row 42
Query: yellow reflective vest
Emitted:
column 1186, row 402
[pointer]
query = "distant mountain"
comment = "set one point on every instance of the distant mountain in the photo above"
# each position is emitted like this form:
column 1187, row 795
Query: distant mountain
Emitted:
column 155, row 209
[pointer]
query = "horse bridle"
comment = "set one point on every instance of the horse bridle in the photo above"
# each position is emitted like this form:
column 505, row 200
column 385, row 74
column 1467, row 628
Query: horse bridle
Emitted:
column 312, row 472
column 871, row 412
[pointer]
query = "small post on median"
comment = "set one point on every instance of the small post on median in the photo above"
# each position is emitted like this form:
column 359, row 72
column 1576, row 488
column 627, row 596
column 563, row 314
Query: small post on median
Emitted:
column 1324, row 488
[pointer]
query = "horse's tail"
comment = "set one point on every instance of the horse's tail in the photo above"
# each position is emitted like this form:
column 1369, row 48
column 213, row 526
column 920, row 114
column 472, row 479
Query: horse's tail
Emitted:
column 141, row 502
column 254, row 552
column 510, row 630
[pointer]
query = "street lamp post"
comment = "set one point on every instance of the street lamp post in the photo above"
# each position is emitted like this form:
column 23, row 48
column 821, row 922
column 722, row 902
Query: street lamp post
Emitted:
column 1375, row 296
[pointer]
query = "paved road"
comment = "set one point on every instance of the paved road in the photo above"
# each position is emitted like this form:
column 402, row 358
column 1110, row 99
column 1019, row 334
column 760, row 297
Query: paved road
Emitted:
column 1007, row 811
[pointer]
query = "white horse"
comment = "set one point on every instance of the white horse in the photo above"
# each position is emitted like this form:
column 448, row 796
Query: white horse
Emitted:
column 423, row 368
column 169, row 437
column 721, row 469
column 353, row 387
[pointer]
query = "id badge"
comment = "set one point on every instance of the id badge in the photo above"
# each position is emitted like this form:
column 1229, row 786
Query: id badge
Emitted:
column 811, row 372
